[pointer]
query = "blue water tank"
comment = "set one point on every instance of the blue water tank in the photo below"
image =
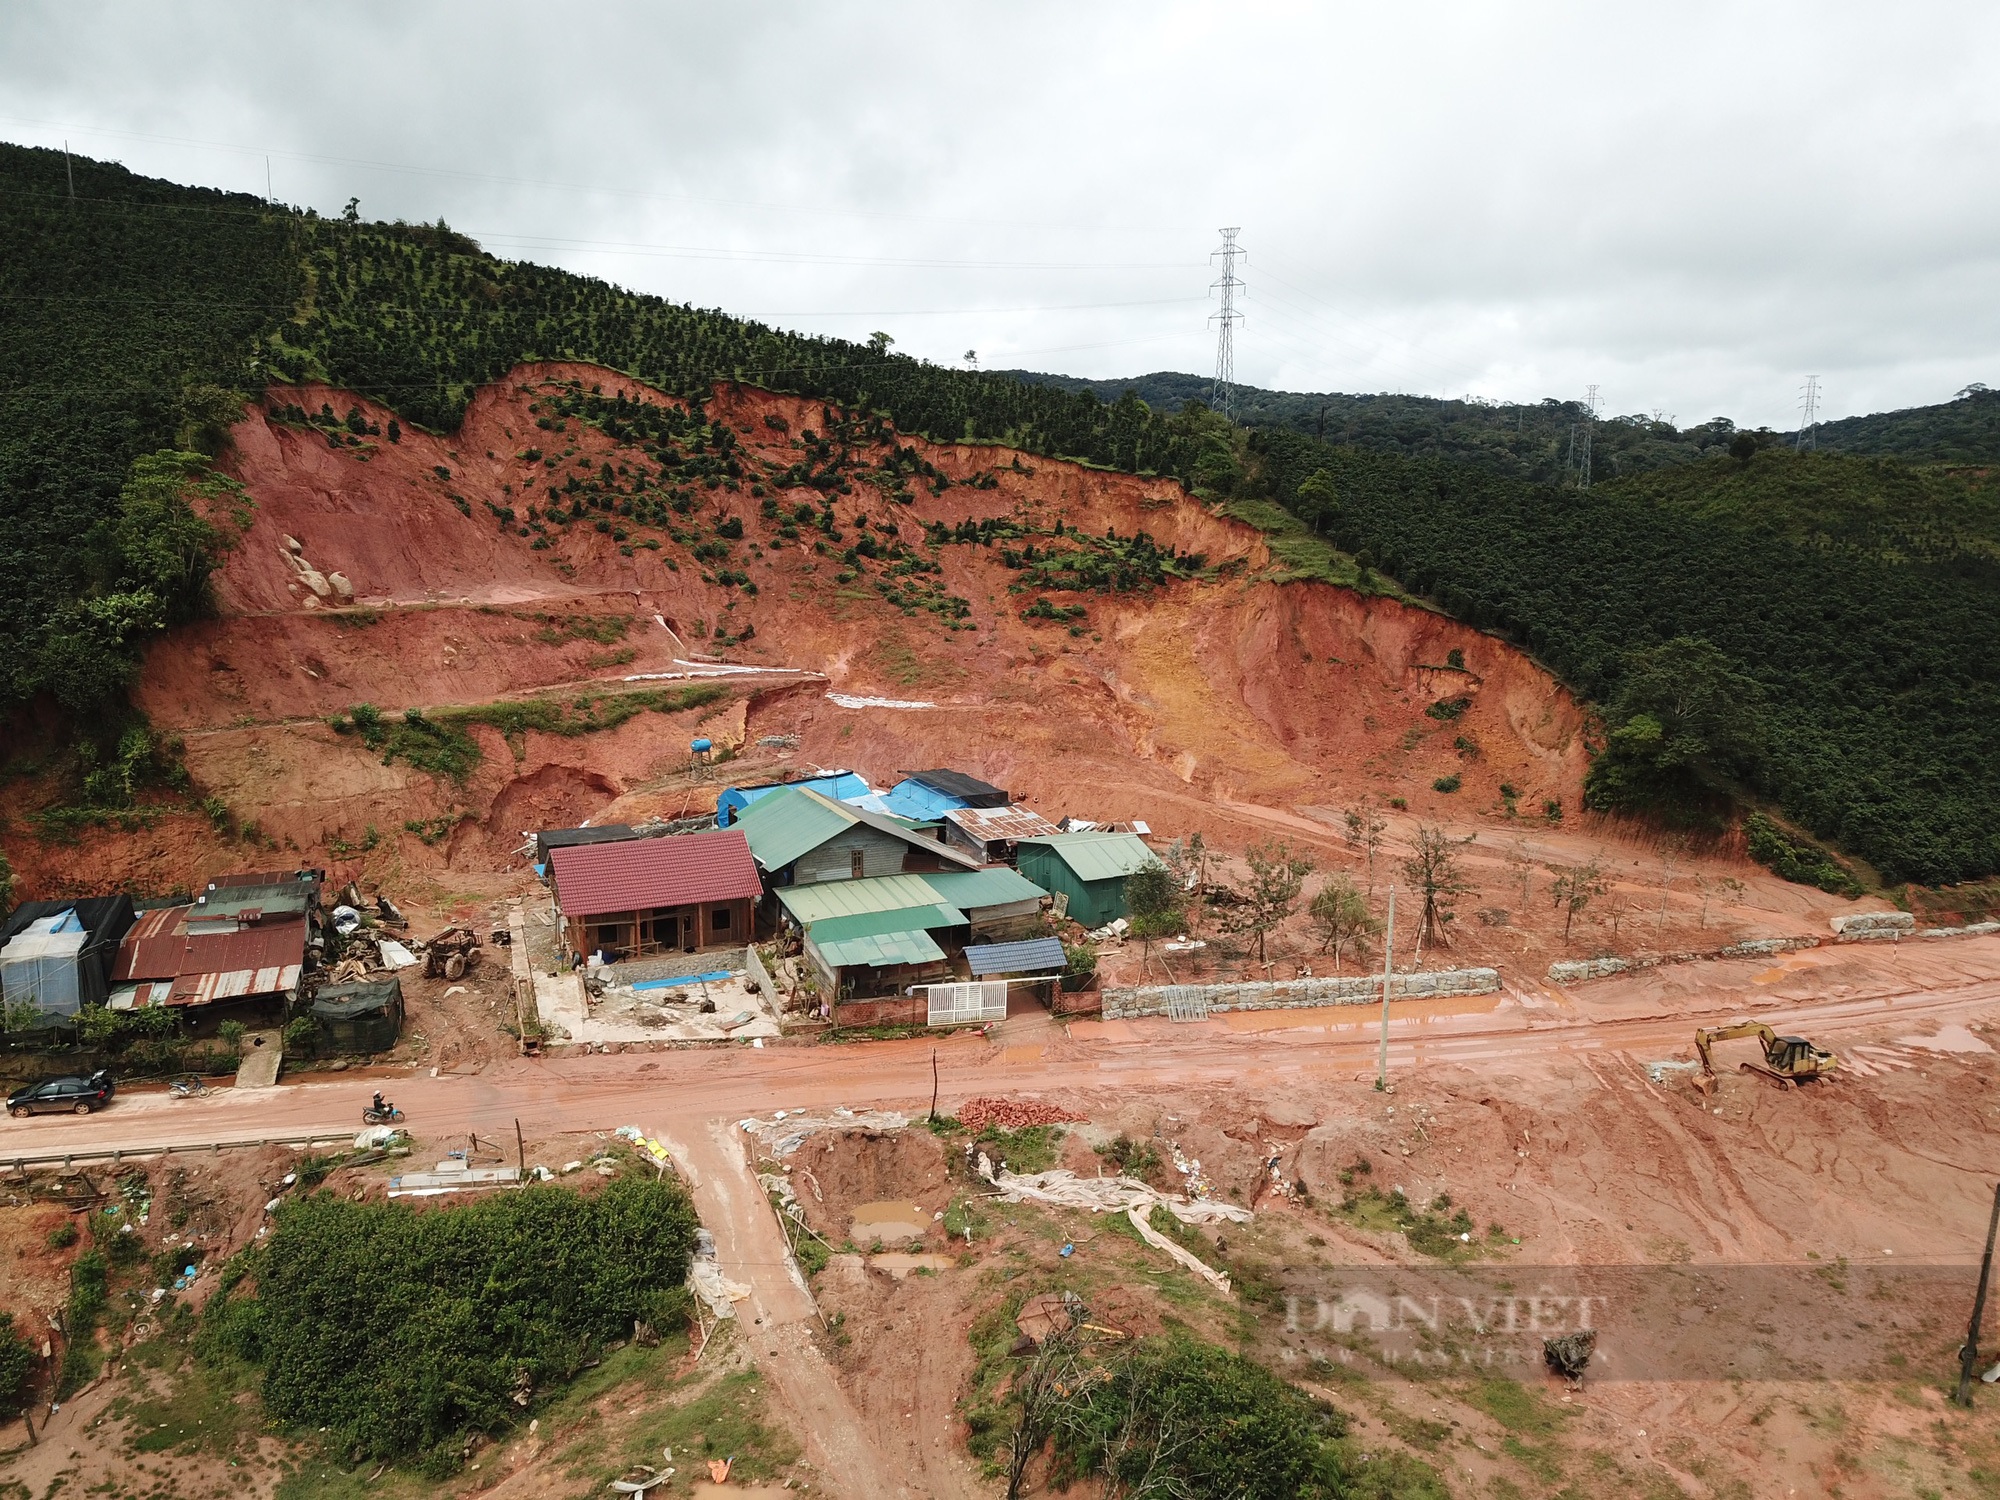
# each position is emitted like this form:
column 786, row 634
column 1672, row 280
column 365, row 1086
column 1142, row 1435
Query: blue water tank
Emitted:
column 702, row 747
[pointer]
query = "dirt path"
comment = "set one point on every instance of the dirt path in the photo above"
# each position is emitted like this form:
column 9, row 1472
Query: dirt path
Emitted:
column 777, row 1317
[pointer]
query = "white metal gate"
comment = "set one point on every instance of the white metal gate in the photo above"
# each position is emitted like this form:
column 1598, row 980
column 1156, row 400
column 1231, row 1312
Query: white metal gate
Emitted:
column 968, row 1004
column 1186, row 1002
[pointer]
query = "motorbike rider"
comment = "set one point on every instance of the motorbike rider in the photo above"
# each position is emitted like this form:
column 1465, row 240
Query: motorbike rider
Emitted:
column 380, row 1106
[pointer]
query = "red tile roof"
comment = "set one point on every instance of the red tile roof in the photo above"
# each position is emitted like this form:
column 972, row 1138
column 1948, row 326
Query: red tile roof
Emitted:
column 593, row 879
column 259, row 958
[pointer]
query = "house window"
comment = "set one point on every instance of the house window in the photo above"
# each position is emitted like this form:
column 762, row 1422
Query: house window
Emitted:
column 854, row 864
column 720, row 919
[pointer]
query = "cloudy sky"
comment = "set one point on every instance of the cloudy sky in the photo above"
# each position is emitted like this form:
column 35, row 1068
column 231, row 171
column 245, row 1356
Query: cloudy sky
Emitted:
column 1692, row 206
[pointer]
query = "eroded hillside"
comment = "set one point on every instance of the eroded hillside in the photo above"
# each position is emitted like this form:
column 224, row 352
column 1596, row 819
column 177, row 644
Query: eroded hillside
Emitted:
column 1100, row 643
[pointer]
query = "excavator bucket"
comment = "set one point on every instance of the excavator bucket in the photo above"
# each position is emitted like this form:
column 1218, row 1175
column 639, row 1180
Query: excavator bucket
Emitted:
column 1705, row 1084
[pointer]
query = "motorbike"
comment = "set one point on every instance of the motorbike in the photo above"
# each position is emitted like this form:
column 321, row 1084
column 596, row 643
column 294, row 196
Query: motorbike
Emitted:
column 187, row 1086
column 388, row 1115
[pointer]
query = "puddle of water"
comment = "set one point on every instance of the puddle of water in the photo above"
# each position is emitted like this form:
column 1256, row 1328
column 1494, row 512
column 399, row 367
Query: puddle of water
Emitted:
column 888, row 1221
column 1952, row 1038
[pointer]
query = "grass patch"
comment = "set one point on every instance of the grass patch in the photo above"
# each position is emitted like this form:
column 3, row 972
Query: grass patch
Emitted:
column 723, row 1419
column 1434, row 1231
column 198, row 1411
column 1033, row 1148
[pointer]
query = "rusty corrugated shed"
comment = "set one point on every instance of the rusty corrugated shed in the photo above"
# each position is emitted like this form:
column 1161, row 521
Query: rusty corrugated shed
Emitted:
column 204, row 965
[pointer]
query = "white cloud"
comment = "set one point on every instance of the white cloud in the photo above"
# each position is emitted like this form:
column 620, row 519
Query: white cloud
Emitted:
column 1692, row 205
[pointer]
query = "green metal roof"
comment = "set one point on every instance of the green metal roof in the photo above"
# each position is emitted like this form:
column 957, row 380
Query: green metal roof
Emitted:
column 998, row 886
column 873, row 923
column 1099, row 856
column 881, row 950
column 847, row 898
column 796, row 821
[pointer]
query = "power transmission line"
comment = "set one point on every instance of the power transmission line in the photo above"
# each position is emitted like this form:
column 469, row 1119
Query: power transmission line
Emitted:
column 1809, row 418
column 1578, row 463
column 1226, row 320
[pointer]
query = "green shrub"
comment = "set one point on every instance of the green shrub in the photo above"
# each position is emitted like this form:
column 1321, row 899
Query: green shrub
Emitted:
column 63, row 1235
column 17, row 1364
column 1794, row 857
column 1447, row 709
column 401, row 1331
column 1449, row 783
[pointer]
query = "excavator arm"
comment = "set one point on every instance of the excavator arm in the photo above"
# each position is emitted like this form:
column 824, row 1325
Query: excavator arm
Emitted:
column 1786, row 1060
column 1703, row 1040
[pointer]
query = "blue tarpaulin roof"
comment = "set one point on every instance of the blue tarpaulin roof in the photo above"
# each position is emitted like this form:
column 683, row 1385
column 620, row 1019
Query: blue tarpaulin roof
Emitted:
column 1034, row 956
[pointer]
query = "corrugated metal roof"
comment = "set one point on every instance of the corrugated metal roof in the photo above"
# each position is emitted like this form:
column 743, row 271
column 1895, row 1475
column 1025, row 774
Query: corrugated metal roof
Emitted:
column 881, row 950
column 173, row 966
column 1033, row 956
column 786, row 824
column 968, row 789
column 1099, row 856
column 985, row 823
column 566, row 838
column 593, row 879
column 871, row 923
column 996, row 886
column 848, row 898
column 152, row 949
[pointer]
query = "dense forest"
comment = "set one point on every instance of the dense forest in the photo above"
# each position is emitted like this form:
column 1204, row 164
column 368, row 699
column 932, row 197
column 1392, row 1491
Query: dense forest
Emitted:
column 1855, row 595
column 1532, row 440
column 1847, row 599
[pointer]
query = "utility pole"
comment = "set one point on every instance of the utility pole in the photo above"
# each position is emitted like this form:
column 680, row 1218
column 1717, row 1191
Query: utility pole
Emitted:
column 1388, row 946
column 267, row 182
column 1224, row 394
column 1809, row 416
column 1968, row 1354
column 69, row 173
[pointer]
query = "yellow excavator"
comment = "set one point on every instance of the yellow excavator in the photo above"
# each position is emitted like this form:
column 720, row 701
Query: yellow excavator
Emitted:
column 1788, row 1060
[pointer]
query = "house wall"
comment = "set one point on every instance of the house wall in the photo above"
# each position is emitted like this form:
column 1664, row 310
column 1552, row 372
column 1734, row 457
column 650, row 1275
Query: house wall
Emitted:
column 881, row 854
column 659, row 929
column 1003, row 923
column 1093, row 902
column 958, row 838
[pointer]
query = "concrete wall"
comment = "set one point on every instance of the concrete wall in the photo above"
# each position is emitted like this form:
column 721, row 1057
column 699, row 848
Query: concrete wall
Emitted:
column 1298, row 994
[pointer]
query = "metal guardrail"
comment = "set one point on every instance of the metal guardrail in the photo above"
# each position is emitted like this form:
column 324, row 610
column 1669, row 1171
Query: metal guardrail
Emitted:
column 68, row 1159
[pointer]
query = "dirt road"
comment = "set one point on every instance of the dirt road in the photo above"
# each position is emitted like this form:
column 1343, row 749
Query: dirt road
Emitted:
column 693, row 1099
column 1827, row 993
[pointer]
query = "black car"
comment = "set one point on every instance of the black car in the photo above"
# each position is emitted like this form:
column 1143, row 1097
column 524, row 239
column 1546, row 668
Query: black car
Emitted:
column 63, row 1096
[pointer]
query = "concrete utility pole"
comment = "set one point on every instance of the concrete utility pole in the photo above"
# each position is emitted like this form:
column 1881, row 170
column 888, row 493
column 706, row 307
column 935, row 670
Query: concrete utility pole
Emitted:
column 1388, row 948
column 1224, row 394
column 69, row 172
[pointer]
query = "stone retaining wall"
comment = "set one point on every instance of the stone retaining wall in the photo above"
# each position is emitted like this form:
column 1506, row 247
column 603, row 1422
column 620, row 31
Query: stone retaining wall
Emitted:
column 1865, row 927
column 1296, row 994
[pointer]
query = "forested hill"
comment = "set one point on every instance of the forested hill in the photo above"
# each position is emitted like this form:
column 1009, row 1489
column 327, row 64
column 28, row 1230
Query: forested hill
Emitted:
column 1851, row 600
column 1844, row 615
column 1531, row 440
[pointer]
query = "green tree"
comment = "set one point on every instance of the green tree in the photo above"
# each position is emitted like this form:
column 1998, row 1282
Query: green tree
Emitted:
column 1433, row 872
column 1365, row 827
column 1318, row 500
column 1341, row 918
column 1277, row 878
column 1684, row 723
column 1574, row 889
column 1153, row 902
column 167, row 546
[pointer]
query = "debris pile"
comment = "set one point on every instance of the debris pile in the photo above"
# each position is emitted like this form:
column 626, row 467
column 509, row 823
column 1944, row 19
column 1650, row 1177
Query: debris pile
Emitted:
column 788, row 1130
column 1568, row 1354
column 1013, row 1114
column 1128, row 1195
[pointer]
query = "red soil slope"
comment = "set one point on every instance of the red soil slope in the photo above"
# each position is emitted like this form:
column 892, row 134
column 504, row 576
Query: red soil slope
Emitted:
column 1231, row 687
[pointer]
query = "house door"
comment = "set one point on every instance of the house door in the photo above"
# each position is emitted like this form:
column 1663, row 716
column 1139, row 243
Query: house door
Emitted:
column 690, row 938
